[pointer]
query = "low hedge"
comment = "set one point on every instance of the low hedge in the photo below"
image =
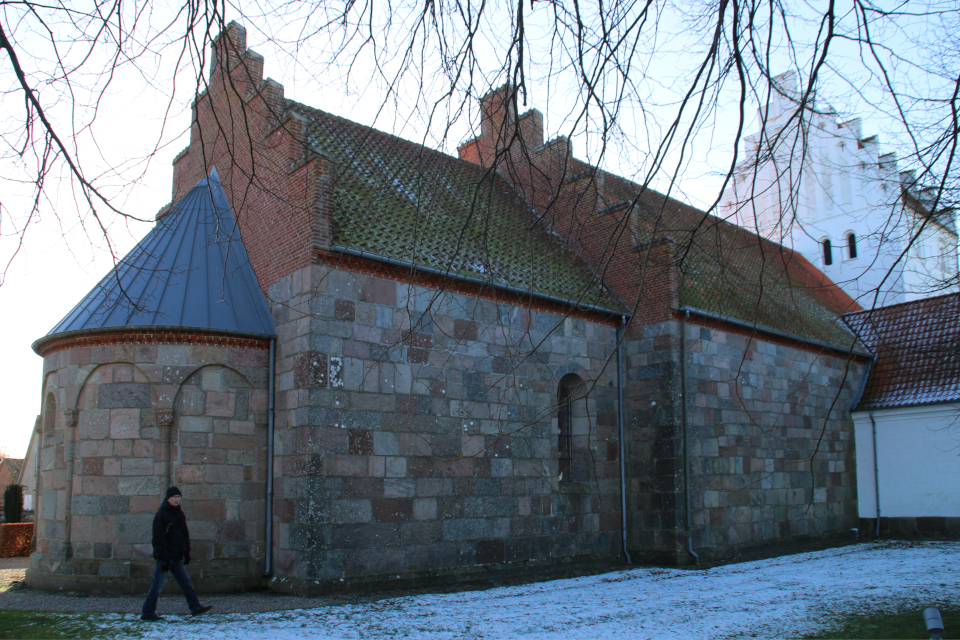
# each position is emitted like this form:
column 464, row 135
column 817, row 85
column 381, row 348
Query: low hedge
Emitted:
column 15, row 539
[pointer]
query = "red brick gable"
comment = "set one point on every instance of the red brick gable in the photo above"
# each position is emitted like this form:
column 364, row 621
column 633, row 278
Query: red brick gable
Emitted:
column 279, row 191
column 303, row 182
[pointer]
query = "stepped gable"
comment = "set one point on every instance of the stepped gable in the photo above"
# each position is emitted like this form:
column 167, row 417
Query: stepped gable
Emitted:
column 190, row 272
column 917, row 348
column 729, row 271
column 401, row 200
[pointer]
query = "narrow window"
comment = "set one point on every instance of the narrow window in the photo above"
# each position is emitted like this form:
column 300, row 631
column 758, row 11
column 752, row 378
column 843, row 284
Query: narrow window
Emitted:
column 851, row 245
column 50, row 415
column 565, row 428
column 827, row 252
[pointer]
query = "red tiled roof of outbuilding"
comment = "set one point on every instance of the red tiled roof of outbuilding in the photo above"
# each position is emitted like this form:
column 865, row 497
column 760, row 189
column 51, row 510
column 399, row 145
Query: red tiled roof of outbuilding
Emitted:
column 917, row 348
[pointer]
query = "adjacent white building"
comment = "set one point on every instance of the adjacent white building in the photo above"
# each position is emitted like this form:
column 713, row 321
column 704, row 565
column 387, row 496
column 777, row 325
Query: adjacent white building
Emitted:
column 818, row 186
column 907, row 420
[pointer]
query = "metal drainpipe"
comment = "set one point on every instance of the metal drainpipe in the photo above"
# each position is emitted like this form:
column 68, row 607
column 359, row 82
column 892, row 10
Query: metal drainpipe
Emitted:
column 686, row 438
column 621, row 331
column 36, row 490
column 69, row 436
column 876, row 471
column 270, row 401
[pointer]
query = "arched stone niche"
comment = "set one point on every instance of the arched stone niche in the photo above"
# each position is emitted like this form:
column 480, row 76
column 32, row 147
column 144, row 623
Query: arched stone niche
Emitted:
column 123, row 422
column 574, row 421
column 218, row 459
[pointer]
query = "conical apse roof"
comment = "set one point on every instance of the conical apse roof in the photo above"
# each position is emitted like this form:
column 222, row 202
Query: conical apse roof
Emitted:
column 190, row 272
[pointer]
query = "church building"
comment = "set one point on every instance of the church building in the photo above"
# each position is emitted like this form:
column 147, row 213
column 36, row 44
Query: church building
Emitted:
column 366, row 362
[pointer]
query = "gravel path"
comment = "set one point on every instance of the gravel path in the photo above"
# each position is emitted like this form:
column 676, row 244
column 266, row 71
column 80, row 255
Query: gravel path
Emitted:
column 15, row 595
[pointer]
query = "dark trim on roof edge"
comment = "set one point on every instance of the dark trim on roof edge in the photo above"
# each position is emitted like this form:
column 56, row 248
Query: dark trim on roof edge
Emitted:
column 863, row 382
column 446, row 273
column 878, row 310
column 905, row 406
column 774, row 332
column 147, row 328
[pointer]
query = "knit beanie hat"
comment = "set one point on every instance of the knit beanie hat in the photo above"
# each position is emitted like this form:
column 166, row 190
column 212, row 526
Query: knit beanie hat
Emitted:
column 172, row 491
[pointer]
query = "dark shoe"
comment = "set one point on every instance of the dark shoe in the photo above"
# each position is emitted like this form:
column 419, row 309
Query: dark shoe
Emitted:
column 152, row 618
column 203, row 609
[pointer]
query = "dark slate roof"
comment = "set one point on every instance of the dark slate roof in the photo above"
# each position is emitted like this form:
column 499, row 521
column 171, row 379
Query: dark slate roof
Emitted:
column 398, row 199
column 917, row 348
column 191, row 271
column 729, row 271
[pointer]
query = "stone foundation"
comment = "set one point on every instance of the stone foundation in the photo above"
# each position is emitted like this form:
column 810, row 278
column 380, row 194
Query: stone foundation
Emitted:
column 929, row 527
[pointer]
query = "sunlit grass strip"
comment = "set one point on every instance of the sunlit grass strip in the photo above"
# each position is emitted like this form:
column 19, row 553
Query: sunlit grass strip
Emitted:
column 888, row 621
column 33, row 625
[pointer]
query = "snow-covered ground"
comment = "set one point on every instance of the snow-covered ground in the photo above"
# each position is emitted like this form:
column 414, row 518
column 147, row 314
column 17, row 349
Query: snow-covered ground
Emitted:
column 776, row 598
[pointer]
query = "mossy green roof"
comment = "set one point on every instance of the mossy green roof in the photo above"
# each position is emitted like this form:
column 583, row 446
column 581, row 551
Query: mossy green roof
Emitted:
column 729, row 271
column 401, row 200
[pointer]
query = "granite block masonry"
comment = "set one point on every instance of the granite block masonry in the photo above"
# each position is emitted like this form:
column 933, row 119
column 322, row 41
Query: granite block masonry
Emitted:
column 140, row 418
column 424, row 441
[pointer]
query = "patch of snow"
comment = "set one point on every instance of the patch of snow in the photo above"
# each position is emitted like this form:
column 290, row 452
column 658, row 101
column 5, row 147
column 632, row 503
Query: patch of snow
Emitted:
column 781, row 597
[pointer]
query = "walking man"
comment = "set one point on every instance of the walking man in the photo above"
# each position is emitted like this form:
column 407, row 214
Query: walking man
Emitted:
column 171, row 548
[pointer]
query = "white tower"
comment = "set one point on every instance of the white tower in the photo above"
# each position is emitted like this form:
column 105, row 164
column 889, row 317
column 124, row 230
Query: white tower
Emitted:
column 819, row 187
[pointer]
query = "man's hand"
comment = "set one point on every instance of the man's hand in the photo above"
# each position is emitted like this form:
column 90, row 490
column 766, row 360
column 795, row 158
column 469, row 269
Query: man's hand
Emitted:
column 186, row 558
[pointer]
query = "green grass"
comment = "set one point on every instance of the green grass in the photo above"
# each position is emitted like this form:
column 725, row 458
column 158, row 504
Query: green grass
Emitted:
column 31, row 625
column 902, row 621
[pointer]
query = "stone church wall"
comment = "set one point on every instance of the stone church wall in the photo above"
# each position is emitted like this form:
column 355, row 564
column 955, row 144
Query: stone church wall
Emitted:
column 417, row 432
column 771, row 441
column 124, row 421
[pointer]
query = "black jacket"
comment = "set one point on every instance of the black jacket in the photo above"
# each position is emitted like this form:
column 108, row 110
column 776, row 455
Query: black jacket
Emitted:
column 171, row 539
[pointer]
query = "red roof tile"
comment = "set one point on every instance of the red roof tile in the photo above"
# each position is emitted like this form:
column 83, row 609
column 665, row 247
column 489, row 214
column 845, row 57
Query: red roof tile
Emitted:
column 917, row 347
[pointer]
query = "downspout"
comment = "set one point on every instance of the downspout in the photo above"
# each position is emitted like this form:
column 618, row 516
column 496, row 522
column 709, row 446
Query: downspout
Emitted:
column 621, row 331
column 270, row 400
column 686, row 438
column 873, row 423
column 876, row 471
column 38, row 435
column 70, row 430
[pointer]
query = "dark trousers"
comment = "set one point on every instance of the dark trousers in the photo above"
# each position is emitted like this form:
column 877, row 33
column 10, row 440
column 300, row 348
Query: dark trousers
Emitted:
column 160, row 577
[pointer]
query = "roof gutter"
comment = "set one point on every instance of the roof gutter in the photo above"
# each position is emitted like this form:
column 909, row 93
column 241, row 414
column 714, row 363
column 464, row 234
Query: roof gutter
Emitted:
column 774, row 332
column 863, row 383
column 458, row 277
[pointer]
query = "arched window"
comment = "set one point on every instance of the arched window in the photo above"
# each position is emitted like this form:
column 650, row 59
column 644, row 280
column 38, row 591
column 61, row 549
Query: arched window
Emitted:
column 947, row 257
column 50, row 414
column 851, row 246
column 565, row 433
column 573, row 429
column 827, row 251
